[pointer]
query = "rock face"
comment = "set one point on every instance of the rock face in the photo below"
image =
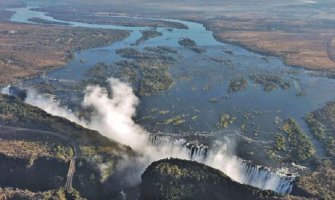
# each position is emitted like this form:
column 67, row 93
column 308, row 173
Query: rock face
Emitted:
column 173, row 179
column 36, row 163
column 44, row 174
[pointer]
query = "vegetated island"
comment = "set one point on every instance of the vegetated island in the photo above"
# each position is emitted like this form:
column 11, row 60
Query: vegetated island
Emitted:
column 98, row 15
column 318, row 183
column 145, row 77
column 238, row 84
column 270, row 82
column 148, row 34
column 191, row 44
column 47, row 22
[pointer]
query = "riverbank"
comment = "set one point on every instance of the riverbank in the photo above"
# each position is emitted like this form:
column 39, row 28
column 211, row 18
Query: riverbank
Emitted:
column 298, row 47
column 300, row 42
column 29, row 50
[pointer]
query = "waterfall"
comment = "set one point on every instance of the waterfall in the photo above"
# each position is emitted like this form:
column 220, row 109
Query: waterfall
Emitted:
column 250, row 174
column 218, row 156
column 261, row 177
column 196, row 151
column 156, row 140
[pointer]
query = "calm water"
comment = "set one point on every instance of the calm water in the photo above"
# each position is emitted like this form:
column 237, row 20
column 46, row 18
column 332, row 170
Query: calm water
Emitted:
column 188, row 96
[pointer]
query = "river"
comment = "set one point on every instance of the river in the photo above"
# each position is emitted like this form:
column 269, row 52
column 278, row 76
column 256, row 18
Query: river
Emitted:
column 206, row 78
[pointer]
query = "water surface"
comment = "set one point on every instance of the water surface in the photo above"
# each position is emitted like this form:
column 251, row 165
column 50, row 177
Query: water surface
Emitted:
column 203, row 79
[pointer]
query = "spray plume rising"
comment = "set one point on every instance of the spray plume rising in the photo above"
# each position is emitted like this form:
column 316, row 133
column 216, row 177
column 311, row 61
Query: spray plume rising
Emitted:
column 112, row 116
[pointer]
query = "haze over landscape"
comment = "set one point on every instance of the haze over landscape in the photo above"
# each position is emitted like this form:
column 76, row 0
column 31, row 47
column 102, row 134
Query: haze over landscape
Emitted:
column 149, row 99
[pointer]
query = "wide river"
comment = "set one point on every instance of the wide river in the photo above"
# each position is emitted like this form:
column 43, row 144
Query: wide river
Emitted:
column 199, row 78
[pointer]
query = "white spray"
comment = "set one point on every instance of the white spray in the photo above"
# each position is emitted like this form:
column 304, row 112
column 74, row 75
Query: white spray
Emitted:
column 112, row 117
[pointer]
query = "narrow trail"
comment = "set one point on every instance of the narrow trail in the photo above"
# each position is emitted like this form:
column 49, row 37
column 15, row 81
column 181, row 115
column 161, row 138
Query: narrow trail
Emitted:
column 68, row 140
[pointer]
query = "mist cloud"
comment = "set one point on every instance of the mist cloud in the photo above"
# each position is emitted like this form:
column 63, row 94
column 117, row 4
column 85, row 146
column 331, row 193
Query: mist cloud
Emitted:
column 112, row 115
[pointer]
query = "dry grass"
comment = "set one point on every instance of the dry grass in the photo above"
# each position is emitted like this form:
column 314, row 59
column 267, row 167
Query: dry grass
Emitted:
column 23, row 149
column 32, row 150
column 28, row 50
column 298, row 46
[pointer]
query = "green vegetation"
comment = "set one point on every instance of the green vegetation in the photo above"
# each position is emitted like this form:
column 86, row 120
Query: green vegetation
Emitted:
column 57, row 194
column 145, row 77
column 148, row 34
column 238, row 84
column 43, row 21
column 301, row 94
column 99, row 154
column 161, row 50
column 155, row 80
column 177, row 120
column 16, row 113
column 164, row 112
column 225, row 121
column 147, row 74
column 291, row 144
column 218, row 60
column 32, row 147
column 63, row 152
column 73, row 194
column 229, row 64
column 270, row 82
column 187, row 42
column 133, row 53
column 228, row 52
column 316, row 127
column 174, row 179
column 320, row 183
column 280, row 143
column 190, row 44
column 322, row 125
column 299, row 144
column 194, row 118
column 85, row 15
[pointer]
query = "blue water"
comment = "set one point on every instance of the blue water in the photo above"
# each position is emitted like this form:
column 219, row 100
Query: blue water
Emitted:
column 188, row 97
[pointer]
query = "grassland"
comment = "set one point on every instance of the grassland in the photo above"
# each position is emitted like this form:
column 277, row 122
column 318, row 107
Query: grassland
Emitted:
column 32, row 150
column 29, row 50
column 297, row 41
column 57, row 194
